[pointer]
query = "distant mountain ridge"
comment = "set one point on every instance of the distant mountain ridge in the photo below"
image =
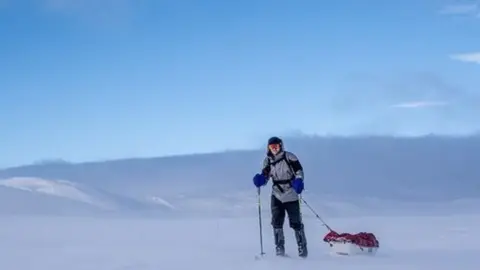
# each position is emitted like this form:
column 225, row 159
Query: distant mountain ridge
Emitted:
column 429, row 169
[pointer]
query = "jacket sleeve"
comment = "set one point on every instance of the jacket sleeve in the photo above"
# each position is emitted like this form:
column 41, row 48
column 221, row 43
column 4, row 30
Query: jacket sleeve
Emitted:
column 295, row 165
column 266, row 168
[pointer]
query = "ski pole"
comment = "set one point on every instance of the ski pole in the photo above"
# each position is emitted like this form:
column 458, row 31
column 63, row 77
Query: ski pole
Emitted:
column 313, row 211
column 260, row 221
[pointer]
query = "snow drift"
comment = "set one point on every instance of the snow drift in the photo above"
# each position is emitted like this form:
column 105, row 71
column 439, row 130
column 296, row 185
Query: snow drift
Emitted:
column 22, row 195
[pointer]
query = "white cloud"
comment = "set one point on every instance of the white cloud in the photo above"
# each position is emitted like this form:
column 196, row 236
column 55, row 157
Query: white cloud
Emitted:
column 461, row 9
column 419, row 104
column 467, row 57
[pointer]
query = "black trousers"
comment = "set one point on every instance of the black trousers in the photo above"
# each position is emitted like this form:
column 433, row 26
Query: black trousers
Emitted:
column 279, row 210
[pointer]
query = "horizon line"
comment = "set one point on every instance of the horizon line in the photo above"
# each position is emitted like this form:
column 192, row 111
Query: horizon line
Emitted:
column 57, row 161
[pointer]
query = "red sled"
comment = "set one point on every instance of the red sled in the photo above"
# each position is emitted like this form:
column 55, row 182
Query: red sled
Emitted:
column 362, row 243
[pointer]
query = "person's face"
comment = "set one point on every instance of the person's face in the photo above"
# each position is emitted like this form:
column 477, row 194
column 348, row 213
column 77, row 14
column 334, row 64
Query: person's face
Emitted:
column 274, row 148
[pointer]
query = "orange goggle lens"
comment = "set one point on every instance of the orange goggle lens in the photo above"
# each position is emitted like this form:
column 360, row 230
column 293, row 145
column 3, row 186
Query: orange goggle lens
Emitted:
column 274, row 146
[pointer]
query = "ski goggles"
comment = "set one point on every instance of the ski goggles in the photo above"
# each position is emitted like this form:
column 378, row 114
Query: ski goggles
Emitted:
column 274, row 146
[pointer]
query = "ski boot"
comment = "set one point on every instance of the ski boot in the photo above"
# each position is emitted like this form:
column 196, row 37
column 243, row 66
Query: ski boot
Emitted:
column 301, row 243
column 279, row 242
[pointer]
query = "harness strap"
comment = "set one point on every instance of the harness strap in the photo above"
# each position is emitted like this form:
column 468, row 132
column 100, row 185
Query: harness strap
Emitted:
column 277, row 183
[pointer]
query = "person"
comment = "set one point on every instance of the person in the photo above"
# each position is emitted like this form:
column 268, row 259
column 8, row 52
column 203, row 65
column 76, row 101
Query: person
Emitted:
column 287, row 176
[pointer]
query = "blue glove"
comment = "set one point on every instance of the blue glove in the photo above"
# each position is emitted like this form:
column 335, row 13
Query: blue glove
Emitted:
column 259, row 180
column 297, row 185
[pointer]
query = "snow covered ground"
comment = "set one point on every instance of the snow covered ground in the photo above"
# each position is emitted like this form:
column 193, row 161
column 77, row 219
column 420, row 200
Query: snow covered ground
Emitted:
column 59, row 243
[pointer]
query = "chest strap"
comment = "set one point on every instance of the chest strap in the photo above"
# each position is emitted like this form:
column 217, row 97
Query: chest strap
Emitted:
column 277, row 183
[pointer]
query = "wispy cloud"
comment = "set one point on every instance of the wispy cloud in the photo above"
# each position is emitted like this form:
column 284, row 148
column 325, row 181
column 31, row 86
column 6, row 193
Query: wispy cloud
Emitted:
column 460, row 9
column 470, row 9
column 419, row 104
column 467, row 57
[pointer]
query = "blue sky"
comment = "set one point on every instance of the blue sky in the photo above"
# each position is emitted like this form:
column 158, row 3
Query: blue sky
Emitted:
column 101, row 79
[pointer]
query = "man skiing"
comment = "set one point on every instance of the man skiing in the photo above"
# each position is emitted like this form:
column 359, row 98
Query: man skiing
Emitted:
column 286, row 173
